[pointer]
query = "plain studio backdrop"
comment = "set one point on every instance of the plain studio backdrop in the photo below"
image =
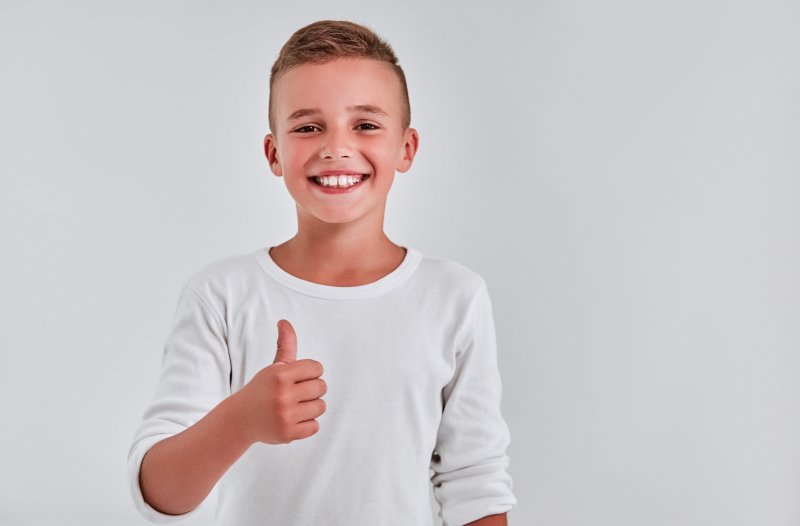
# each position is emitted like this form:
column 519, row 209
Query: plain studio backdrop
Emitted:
column 625, row 175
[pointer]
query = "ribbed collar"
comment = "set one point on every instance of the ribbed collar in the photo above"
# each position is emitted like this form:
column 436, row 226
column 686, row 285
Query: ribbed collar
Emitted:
column 376, row 288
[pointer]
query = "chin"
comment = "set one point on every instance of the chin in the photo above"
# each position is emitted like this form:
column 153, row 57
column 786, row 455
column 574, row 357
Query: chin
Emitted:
column 339, row 219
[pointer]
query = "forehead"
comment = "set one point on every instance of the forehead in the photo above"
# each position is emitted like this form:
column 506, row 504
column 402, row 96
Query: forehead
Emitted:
column 338, row 85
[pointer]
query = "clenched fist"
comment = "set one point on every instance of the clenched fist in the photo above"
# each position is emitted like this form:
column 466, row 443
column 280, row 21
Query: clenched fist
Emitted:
column 280, row 403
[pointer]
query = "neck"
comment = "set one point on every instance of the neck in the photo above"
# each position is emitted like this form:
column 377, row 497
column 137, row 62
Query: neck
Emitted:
column 322, row 249
column 338, row 251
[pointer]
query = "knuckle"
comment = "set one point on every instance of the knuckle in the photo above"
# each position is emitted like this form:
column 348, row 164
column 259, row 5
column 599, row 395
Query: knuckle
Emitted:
column 285, row 420
column 278, row 375
column 280, row 434
column 285, row 436
column 282, row 401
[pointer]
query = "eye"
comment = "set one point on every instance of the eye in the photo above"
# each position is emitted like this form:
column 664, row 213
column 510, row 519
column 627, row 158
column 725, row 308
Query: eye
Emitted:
column 367, row 126
column 308, row 128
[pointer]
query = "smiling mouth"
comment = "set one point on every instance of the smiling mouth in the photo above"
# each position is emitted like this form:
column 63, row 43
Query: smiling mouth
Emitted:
column 339, row 181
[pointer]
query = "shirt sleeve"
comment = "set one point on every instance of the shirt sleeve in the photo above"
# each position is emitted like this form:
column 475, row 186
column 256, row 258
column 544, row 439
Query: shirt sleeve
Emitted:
column 195, row 377
column 470, row 480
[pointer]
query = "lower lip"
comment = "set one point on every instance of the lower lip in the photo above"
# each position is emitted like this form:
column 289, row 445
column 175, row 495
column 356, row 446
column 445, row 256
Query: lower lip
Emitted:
column 334, row 190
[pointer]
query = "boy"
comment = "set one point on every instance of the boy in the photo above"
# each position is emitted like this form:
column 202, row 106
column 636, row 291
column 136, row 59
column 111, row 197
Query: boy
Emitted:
column 407, row 340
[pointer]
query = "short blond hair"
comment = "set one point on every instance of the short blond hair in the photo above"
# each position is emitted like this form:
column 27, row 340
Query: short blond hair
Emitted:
column 327, row 40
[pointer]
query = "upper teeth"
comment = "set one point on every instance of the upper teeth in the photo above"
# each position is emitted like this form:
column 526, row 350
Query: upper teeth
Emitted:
column 338, row 180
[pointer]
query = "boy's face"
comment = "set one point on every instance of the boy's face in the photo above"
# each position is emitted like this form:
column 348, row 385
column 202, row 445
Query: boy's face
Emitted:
column 342, row 117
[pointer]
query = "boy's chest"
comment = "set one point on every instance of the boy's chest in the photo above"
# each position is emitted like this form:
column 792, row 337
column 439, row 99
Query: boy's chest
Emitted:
column 404, row 348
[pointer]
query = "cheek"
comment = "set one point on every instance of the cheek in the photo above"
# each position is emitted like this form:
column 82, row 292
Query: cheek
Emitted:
column 296, row 157
column 382, row 153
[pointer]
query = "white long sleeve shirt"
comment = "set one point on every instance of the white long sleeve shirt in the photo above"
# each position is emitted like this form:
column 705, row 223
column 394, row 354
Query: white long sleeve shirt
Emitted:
column 413, row 398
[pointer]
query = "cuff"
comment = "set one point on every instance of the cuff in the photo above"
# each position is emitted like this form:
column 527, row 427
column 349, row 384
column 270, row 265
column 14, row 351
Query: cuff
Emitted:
column 471, row 493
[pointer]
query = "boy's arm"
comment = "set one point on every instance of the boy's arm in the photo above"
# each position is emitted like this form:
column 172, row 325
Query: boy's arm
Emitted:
column 179, row 472
column 188, row 410
column 470, row 479
column 491, row 520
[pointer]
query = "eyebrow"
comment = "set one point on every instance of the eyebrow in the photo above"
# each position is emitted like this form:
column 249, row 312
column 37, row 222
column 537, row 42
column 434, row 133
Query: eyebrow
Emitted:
column 305, row 112
column 358, row 108
column 368, row 108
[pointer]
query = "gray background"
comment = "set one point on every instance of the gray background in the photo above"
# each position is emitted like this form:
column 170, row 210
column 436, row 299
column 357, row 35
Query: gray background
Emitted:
column 625, row 175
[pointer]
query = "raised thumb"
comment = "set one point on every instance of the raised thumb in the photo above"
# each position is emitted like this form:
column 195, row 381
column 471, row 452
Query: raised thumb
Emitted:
column 287, row 343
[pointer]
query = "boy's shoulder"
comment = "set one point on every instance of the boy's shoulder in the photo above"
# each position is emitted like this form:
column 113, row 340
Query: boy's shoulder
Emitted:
column 224, row 273
column 450, row 274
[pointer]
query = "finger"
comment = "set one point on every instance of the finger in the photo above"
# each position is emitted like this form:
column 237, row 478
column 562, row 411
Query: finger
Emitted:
column 310, row 389
column 287, row 343
column 305, row 429
column 305, row 369
column 310, row 409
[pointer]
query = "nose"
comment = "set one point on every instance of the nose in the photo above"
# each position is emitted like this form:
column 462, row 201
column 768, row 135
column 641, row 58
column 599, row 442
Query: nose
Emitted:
column 335, row 145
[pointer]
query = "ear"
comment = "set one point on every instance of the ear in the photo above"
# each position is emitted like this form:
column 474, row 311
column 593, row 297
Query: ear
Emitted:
column 271, row 151
column 410, row 145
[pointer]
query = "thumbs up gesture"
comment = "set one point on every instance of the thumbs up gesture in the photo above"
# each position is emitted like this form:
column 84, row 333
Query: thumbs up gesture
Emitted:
column 280, row 403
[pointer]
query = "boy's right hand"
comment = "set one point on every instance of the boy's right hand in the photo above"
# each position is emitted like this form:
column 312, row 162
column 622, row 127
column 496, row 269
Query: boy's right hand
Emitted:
column 279, row 404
